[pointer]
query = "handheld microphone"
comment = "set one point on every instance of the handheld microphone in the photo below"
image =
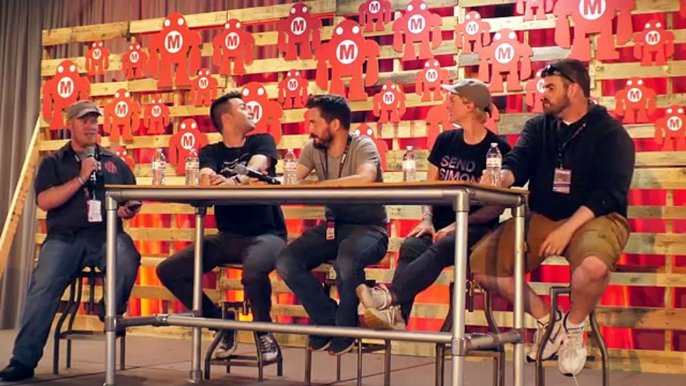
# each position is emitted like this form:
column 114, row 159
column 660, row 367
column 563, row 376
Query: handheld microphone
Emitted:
column 90, row 153
column 243, row 170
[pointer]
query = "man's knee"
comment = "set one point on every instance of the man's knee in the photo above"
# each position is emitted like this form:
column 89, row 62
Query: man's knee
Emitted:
column 127, row 251
column 286, row 265
column 593, row 268
column 413, row 247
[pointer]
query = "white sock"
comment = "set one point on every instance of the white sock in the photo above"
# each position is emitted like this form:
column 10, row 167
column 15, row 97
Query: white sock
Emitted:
column 575, row 328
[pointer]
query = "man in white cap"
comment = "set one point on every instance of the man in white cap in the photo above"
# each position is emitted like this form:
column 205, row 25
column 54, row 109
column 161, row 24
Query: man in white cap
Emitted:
column 69, row 186
column 457, row 155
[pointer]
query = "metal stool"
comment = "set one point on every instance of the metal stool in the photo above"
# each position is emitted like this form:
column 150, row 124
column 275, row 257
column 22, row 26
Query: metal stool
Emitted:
column 497, row 353
column 597, row 337
column 72, row 307
column 230, row 311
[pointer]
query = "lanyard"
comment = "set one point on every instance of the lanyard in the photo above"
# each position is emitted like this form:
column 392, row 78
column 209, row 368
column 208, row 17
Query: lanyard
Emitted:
column 561, row 148
column 343, row 159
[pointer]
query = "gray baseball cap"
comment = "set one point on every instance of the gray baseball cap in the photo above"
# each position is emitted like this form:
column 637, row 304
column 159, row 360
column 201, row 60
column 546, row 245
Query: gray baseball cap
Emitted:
column 81, row 108
column 473, row 90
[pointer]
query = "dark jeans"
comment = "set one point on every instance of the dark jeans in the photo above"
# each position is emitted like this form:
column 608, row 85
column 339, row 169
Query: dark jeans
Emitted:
column 355, row 247
column 421, row 262
column 257, row 254
column 58, row 263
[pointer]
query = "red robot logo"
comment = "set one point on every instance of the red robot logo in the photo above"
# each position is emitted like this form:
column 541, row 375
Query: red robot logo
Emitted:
column 65, row 88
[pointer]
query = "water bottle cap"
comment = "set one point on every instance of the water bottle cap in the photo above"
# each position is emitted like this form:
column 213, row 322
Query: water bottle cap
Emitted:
column 409, row 148
column 493, row 144
column 290, row 150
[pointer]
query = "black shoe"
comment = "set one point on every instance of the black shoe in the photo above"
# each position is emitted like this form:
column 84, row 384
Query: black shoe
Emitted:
column 227, row 345
column 269, row 348
column 319, row 343
column 341, row 345
column 15, row 372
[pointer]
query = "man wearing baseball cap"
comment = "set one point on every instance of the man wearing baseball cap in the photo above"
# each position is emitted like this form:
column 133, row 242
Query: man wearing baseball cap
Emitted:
column 457, row 155
column 69, row 186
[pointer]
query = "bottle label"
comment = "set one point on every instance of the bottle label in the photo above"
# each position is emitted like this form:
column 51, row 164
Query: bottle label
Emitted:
column 493, row 162
column 192, row 164
column 158, row 165
column 409, row 164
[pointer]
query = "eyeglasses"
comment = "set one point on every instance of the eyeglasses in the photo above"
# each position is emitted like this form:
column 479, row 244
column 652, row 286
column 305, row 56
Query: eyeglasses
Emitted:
column 551, row 69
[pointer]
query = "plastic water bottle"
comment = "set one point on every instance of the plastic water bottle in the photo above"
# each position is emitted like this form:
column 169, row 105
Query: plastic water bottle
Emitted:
column 290, row 167
column 192, row 168
column 409, row 165
column 494, row 161
column 159, row 168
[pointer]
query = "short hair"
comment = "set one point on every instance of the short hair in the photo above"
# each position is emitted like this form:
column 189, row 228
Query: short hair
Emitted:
column 332, row 107
column 576, row 71
column 220, row 106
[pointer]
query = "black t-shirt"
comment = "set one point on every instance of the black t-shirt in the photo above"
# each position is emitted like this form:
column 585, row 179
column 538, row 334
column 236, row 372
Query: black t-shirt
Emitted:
column 458, row 161
column 70, row 219
column 244, row 220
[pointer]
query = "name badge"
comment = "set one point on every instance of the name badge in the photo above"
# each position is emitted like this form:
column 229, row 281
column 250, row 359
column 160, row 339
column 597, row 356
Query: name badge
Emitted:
column 330, row 230
column 94, row 211
column 562, row 181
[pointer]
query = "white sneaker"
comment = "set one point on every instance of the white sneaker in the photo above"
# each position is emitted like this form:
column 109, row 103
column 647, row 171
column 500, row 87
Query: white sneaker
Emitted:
column 269, row 347
column 227, row 345
column 390, row 318
column 554, row 342
column 572, row 356
column 377, row 297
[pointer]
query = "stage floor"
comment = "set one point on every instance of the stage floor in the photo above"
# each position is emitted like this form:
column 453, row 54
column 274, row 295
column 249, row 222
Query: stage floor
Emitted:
column 153, row 361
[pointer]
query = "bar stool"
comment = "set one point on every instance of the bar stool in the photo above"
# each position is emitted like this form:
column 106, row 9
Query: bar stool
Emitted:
column 70, row 311
column 362, row 346
column 595, row 333
column 230, row 311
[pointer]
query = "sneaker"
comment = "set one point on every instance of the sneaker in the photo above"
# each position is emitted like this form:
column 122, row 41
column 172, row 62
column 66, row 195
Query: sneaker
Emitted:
column 554, row 342
column 377, row 297
column 16, row 372
column 390, row 318
column 227, row 345
column 269, row 348
column 340, row 345
column 319, row 343
column 572, row 356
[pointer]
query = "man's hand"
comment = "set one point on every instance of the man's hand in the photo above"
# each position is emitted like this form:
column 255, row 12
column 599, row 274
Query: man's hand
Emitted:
column 424, row 228
column 556, row 242
column 126, row 212
column 444, row 232
column 88, row 166
column 506, row 178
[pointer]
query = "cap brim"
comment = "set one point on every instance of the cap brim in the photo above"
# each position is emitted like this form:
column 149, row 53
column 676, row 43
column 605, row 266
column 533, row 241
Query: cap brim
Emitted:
column 448, row 87
column 87, row 111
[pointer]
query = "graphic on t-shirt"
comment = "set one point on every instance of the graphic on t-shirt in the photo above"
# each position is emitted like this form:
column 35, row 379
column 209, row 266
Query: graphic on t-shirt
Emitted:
column 228, row 168
column 458, row 169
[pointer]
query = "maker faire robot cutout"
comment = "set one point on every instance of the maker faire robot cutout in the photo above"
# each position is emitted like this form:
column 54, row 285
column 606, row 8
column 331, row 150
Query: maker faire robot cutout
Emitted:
column 593, row 17
column 346, row 52
column 180, row 144
column 381, row 145
column 203, row 88
column 430, row 78
column 534, row 93
column 669, row 130
column 65, row 88
column 492, row 122
column 654, row 40
column 526, row 7
column 298, row 29
column 293, row 90
column 635, row 102
column 97, row 59
column 233, row 43
column 375, row 14
column 438, row 116
column 389, row 103
column 156, row 116
column 505, row 54
column 266, row 113
column 473, row 33
column 122, row 153
column 417, row 25
column 134, row 62
column 122, row 115
column 171, row 47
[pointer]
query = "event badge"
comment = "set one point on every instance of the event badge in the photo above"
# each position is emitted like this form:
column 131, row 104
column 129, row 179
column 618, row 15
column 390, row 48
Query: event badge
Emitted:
column 330, row 230
column 94, row 211
column 562, row 181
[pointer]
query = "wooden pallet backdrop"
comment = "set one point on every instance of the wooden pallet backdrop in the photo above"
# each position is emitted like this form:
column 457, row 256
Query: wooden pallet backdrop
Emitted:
column 643, row 311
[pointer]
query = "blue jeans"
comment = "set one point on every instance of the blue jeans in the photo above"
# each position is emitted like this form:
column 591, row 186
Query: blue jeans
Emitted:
column 58, row 263
column 355, row 247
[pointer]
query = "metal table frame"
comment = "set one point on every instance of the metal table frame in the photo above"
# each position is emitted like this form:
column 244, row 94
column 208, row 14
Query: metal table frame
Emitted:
column 457, row 193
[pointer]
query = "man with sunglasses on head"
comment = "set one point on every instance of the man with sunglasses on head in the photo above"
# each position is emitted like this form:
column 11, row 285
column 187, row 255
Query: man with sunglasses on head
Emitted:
column 579, row 162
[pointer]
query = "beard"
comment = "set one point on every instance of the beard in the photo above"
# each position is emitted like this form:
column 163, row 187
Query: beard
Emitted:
column 321, row 143
column 556, row 108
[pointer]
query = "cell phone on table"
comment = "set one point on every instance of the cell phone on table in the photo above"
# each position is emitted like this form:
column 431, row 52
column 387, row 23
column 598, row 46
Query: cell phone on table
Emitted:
column 133, row 205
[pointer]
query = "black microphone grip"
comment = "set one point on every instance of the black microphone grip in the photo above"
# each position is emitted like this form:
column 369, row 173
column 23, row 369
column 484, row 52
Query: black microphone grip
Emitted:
column 243, row 170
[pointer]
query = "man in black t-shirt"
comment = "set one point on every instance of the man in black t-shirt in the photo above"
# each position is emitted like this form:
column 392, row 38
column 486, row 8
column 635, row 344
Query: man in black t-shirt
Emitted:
column 69, row 186
column 249, row 234
column 457, row 155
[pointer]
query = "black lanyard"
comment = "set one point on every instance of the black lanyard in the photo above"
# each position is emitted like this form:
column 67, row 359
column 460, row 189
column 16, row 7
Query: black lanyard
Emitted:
column 561, row 148
column 343, row 158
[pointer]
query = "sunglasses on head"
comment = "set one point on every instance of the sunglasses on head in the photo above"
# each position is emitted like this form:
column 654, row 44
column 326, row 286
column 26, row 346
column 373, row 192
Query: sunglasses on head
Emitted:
column 551, row 69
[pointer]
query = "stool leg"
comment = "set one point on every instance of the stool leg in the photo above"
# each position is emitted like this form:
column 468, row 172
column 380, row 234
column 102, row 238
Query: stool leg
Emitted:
column 440, row 363
column 122, row 353
column 554, row 293
column 210, row 352
column 603, row 348
column 308, row 363
column 58, row 328
column 260, row 365
column 338, row 368
column 387, row 364
column 72, row 316
column 359, row 362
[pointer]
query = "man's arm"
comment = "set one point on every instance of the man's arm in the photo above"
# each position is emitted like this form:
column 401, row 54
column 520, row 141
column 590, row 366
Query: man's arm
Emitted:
column 305, row 164
column 49, row 194
column 519, row 163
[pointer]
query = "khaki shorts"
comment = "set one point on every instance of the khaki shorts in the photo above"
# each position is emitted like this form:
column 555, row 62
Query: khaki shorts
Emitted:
column 604, row 237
